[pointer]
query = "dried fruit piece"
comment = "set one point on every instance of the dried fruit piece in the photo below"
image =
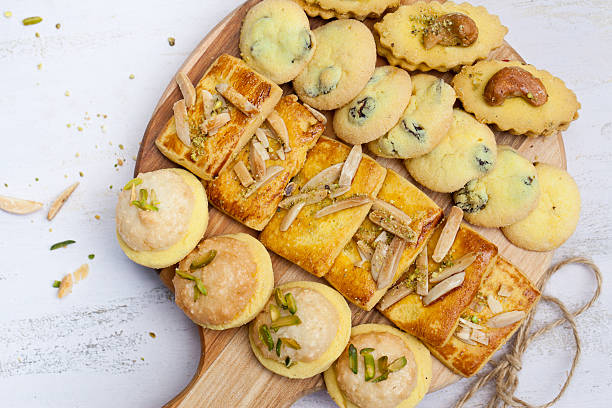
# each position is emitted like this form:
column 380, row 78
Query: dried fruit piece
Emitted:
column 181, row 121
column 325, row 177
column 243, row 174
column 291, row 216
column 280, row 129
column 443, row 288
column 18, row 205
column 310, row 197
column 448, row 234
column 271, row 172
column 506, row 319
column 458, row 266
column 59, row 201
column 237, row 99
column 340, row 205
column 187, row 88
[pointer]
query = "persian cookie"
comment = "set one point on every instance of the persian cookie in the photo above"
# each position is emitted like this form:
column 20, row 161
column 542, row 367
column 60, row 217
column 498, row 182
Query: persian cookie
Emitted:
column 224, row 282
column 161, row 216
column 343, row 62
column 482, row 331
column 555, row 218
column 440, row 36
column 424, row 123
column 276, row 41
column 302, row 330
column 376, row 108
column 347, row 8
column 381, row 367
column 467, row 152
column 504, row 196
column 516, row 97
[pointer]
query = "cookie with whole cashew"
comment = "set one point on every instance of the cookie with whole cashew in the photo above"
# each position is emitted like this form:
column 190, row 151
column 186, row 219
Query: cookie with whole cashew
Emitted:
column 516, row 97
column 439, row 36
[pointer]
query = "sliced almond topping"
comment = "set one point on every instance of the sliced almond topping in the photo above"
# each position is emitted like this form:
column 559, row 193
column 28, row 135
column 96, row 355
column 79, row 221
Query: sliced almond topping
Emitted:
column 237, row 99
column 281, row 153
column 271, row 172
column 392, row 210
column 65, row 287
column 280, row 129
column 310, row 197
column 81, row 273
column 458, row 265
column 392, row 219
column 60, row 200
column 326, row 176
column 181, row 121
column 337, row 190
column 506, row 319
column 133, row 196
column 243, row 174
column 257, row 159
column 448, row 234
column 504, row 290
column 291, row 216
column 351, row 164
column 494, row 304
column 340, row 205
column 466, row 323
column 365, row 249
column 378, row 259
column 262, row 137
column 477, row 306
column 208, row 103
column 363, row 258
column 187, row 88
column 382, row 237
column 480, row 336
column 18, row 205
column 395, row 294
column 387, row 273
column 213, row 124
column 463, row 334
column 422, row 271
column 318, row 115
column 443, row 288
column 289, row 189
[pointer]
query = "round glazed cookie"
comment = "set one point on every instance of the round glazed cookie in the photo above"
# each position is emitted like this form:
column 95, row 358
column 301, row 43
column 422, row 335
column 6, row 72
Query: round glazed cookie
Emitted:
column 161, row 216
column 467, row 152
column 224, row 282
column 302, row 330
column 424, row 123
column 376, row 108
column 276, row 41
column 503, row 83
column 504, row 196
column 343, row 63
column 555, row 218
column 403, row 386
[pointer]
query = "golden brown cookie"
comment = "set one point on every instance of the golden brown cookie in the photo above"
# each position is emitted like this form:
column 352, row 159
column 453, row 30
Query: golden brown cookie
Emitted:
column 359, row 10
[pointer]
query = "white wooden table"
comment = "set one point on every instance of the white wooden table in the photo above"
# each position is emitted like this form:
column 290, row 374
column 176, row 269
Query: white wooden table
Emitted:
column 93, row 349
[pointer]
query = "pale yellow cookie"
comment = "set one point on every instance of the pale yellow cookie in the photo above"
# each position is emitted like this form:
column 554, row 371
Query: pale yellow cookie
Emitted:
column 467, row 152
column 276, row 41
column 376, row 109
column 517, row 115
column 555, row 218
column 343, row 63
column 358, row 9
column 504, row 196
column 402, row 34
column 424, row 123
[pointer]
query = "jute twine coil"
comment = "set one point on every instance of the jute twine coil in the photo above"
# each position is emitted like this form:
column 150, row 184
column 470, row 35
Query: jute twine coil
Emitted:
column 505, row 374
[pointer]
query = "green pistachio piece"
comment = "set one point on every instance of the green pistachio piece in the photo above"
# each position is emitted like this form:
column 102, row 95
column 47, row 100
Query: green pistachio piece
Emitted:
column 383, row 364
column 56, row 284
column 290, row 343
column 397, row 364
column 353, row 359
column 290, row 300
column 279, row 345
column 275, row 312
column 132, row 182
column 203, row 260
column 280, row 299
column 381, row 377
column 266, row 337
column 31, row 20
column 370, row 367
column 291, row 320
column 62, row 244
column 366, row 350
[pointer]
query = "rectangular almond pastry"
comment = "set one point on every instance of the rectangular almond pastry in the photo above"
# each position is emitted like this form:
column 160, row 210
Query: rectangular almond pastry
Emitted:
column 314, row 243
column 215, row 152
column 356, row 282
column 227, row 193
column 436, row 323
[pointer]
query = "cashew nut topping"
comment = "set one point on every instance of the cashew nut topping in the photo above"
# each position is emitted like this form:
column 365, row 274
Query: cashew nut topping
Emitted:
column 514, row 81
column 454, row 29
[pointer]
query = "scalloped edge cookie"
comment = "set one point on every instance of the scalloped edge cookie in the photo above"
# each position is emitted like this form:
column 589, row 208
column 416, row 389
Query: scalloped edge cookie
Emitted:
column 350, row 9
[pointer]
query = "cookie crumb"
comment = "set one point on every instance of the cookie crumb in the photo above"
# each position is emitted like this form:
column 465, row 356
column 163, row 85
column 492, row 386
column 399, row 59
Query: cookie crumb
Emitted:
column 171, row 41
column 97, row 217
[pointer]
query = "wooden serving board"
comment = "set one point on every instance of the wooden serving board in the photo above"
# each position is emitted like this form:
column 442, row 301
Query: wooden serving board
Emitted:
column 228, row 374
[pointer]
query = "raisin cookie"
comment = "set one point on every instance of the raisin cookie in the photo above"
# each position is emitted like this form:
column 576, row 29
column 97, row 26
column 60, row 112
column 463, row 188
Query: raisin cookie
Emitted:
column 276, row 41
column 555, row 218
column 467, row 152
column 504, row 196
column 347, row 8
column 343, row 63
column 424, row 123
column 440, row 36
column 376, row 108
column 516, row 97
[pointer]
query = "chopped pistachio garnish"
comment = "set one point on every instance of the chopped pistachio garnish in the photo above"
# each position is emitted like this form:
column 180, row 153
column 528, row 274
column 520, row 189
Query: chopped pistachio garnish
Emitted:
column 279, row 345
column 280, row 299
column 56, row 284
column 275, row 312
column 291, row 320
column 203, row 260
column 383, row 364
column 132, row 76
column 397, row 364
column 132, row 182
column 91, row 256
column 366, row 350
column 62, row 244
column 381, row 377
column 352, row 351
column 288, row 362
column 266, row 337
column 8, row 14
column 370, row 367
column 290, row 343
column 142, row 203
column 291, row 305
column 198, row 287
column 31, row 20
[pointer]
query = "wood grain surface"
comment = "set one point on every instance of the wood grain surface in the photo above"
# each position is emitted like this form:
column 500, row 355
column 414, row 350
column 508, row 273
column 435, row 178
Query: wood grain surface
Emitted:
column 228, row 374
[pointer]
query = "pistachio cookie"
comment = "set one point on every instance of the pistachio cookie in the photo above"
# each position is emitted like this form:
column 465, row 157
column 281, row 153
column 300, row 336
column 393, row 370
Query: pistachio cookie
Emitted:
column 504, row 196
column 424, row 123
column 376, row 108
column 555, row 218
column 467, row 152
column 516, row 97
column 276, row 41
column 440, row 36
column 347, row 8
column 343, row 63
